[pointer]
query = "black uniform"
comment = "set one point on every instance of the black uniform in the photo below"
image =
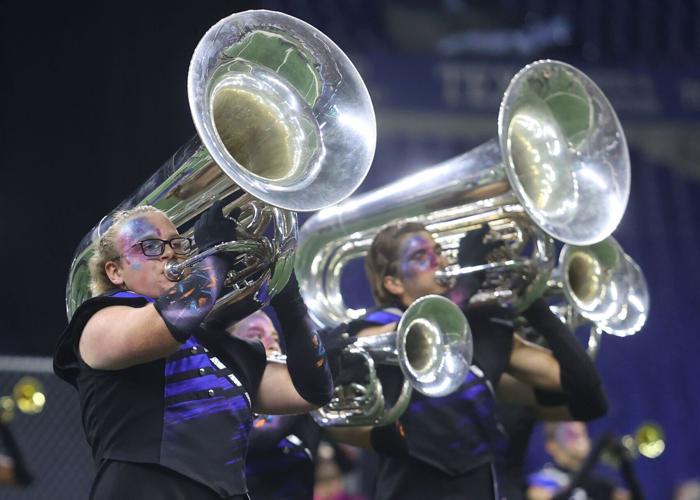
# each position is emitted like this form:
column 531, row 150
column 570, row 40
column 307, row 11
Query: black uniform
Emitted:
column 172, row 428
column 281, row 457
column 518, row 423
column 452, row 441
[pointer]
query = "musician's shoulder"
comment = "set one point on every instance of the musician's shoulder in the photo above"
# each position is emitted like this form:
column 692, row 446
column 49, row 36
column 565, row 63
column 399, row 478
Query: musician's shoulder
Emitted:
column 375, row 321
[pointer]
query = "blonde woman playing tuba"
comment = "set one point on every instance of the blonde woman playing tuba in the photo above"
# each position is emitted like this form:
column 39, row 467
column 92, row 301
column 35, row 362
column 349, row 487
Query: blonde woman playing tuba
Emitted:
column 167, row 400
column 446, row 447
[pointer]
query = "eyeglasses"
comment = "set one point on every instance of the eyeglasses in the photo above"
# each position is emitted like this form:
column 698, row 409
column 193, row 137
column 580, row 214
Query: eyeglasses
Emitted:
column 155, row 247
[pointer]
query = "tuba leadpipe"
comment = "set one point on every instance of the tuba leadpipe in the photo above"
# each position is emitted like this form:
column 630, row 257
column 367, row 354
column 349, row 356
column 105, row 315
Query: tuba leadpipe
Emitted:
column 559, row 169
column 284, row 123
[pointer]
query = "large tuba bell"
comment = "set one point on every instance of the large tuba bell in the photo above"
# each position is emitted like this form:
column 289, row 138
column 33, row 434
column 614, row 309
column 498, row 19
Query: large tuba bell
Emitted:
column 433, row 346
column 559, row 169
column 284, row 124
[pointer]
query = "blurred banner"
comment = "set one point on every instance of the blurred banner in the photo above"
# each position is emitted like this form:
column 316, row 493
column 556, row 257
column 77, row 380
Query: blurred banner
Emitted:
column 446, row 85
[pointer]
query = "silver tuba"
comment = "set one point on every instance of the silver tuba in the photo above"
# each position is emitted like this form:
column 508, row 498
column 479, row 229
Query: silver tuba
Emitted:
column 559, row 169
column 433, row 346
column 284, row 123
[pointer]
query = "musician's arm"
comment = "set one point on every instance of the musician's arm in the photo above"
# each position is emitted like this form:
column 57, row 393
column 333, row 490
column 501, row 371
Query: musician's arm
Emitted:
column 513, row 391
column 278, row 395
column 118, row 337
column 564, row 375
column 377, row 330
column 307, row 362
column 354, row 436
column 386, row 440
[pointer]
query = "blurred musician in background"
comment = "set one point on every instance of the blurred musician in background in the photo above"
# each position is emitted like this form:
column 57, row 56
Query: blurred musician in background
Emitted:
column 13, row 469
column 569, row 446
column 283, row 454
column 283, row 448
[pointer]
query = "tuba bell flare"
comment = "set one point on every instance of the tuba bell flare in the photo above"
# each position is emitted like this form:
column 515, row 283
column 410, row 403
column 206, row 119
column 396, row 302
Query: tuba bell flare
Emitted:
column 284, row 123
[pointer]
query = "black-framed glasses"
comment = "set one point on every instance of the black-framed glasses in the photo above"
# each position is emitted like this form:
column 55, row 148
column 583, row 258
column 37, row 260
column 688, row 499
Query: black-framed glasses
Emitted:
column 155, row 247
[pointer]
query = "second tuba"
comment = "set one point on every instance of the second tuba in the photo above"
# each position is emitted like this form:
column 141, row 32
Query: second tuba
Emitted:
column 284, row 123
column 559, row 169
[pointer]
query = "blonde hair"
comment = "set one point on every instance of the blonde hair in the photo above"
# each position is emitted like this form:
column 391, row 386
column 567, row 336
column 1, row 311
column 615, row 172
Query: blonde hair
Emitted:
column 104, row 249
column 383, row 259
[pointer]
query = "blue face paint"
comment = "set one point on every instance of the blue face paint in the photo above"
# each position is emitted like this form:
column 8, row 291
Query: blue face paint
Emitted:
column 133, row 231
column 418, row 255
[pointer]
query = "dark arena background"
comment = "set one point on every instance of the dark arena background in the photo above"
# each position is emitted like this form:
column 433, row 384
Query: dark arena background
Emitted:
column 94, row 100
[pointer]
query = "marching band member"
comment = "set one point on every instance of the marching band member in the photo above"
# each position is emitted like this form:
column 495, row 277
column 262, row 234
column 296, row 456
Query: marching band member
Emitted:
column 570, row 447
column 13, row 467
column 446, row 447
column 167, row 399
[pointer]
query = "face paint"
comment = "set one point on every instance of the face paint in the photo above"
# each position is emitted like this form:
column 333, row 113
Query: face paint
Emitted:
column 133, row 231
column 458, row 295
column 418, row 255
column 570, row 434
column 135, row 271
